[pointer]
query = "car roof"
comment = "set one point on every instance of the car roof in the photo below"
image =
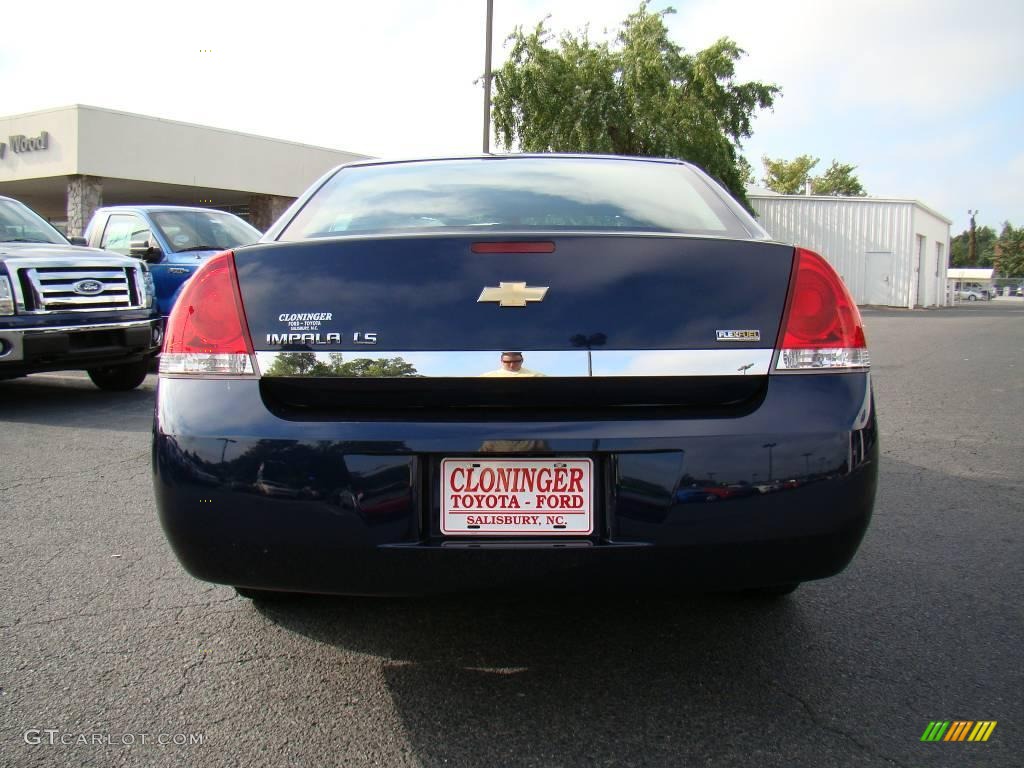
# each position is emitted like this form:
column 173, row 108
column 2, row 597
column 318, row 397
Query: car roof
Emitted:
column 516, row 156
column 151, row 208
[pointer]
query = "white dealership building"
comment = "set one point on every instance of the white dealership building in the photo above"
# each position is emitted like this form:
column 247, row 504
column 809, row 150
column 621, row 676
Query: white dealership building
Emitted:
column 66, row 162
column 889, row 252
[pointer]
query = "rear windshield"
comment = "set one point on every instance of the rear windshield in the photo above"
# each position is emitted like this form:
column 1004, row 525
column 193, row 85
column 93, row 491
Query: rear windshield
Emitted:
column 550, row 194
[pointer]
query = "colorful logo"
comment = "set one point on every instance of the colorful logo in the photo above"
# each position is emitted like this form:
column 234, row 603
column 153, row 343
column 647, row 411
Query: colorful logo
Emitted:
column 958, row 730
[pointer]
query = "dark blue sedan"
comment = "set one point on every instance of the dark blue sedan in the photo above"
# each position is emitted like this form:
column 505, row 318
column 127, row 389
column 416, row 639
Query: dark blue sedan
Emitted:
column 541, row 372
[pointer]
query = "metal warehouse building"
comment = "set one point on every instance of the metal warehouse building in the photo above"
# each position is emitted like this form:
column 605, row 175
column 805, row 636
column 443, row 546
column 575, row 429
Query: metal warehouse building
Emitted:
column 889, row 252
column 67, row 162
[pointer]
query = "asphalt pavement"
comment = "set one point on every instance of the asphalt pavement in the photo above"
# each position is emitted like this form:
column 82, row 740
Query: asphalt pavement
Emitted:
column 111, row 655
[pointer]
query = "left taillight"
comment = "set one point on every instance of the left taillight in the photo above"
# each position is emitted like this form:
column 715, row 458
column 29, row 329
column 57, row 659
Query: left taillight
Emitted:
column 207, row 334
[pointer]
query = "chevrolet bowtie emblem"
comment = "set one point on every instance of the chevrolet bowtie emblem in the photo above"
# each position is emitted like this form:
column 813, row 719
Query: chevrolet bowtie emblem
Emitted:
column 512, row 294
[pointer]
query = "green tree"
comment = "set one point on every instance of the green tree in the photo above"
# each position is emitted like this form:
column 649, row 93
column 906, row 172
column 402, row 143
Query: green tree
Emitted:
column 306, row 364
column 745, row 170
column 1008, row 251
column 788, row 177
column 643, row 96
column 296, row 364
column 838, row 180
column 958, row 248
column 389, row 367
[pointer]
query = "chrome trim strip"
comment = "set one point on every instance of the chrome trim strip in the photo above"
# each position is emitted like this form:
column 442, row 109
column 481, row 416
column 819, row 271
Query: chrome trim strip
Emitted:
column 806, row 371
column 108, row 273
column 127, row 270
column 90, row 327
column 562, row 363
column 109, row 260
column 14, row 336
column 53, row 304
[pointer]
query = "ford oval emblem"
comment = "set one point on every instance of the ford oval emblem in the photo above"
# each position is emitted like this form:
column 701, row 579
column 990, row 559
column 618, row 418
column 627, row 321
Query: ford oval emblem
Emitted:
column 88, row 287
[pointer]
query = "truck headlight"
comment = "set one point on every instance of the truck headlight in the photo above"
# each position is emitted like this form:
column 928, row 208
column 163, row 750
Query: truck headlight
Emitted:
column 147, row 281
column 6, row 296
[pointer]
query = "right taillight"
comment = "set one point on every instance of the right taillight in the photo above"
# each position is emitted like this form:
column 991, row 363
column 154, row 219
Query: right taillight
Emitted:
column 823, row 329
column 206, row 333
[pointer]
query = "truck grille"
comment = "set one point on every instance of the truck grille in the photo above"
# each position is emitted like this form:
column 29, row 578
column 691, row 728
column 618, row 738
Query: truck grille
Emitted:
column 63, row 288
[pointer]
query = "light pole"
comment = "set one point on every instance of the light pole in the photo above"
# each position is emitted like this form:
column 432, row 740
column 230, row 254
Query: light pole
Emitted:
column 593, row 340
column 769, row 446
column 225, row 448
column 487, row 79
column 972, row 240
column 807, row 462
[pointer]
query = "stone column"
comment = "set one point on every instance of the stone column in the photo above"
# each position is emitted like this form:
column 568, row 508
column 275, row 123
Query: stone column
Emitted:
column 264, row 210
column 85, row 195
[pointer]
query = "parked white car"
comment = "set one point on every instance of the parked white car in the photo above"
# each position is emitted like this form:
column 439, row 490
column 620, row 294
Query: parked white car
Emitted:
column 971, row 291
column 970, row 294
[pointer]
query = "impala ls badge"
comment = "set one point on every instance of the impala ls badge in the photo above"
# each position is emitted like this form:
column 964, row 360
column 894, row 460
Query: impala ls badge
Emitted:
column 87, row 287
column 512, row 294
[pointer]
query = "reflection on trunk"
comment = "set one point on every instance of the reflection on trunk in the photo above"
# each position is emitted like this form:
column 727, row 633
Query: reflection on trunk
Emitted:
column 308, row 364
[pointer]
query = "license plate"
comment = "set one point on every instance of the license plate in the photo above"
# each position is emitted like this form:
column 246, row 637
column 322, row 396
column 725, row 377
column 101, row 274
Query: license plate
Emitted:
column 517, row 497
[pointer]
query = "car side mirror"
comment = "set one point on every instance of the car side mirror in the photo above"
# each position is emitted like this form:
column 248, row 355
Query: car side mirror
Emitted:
column 78, row 241
column 146, row 250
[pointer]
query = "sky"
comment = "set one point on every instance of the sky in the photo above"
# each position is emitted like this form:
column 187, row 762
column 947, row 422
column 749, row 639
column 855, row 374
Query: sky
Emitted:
column 923, row 96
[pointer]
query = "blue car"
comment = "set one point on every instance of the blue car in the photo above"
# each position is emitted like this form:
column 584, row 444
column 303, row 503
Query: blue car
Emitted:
column 174, row 240
column 511, row 372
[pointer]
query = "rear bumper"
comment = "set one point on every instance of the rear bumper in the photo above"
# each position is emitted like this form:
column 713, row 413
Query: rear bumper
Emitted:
column 680, row 503
column 85, row 345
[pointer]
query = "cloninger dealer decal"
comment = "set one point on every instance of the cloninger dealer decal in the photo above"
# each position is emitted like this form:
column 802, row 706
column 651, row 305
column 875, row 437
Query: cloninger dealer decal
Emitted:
column 520, row 497
column 304, row 328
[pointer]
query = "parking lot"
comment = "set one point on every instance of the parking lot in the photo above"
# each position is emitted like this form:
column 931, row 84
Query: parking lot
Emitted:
column 106, row 641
